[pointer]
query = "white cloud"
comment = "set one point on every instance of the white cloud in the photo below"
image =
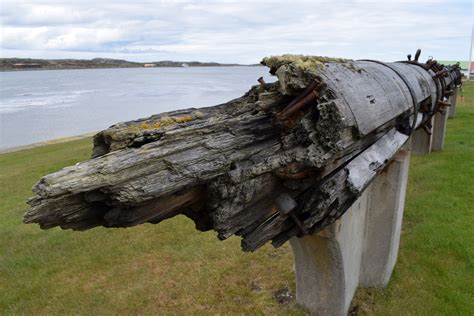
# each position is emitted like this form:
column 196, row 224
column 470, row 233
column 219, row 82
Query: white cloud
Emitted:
column 47, row 38
column 235, row 31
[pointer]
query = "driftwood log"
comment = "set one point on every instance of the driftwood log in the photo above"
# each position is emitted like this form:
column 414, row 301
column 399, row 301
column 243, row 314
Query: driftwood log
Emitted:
column 286, row 159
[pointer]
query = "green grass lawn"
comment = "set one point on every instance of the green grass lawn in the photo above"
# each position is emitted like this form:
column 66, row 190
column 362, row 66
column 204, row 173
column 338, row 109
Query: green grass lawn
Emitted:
column 171, row 268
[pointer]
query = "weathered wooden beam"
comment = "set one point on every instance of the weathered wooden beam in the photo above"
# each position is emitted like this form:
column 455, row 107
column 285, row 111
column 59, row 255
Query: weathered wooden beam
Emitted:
column 325, row 202
column 285, row 159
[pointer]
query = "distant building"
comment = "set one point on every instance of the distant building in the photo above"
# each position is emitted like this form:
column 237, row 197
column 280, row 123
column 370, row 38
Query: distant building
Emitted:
column 24, row 65
column 149, row 65
column 184, row 65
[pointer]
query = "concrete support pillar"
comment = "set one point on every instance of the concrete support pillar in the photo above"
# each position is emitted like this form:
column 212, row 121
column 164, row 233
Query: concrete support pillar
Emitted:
column 439, row 130
column 384, row 222
column 421, row 141
column 359, row 249
column 327, row 264
column 452, row 108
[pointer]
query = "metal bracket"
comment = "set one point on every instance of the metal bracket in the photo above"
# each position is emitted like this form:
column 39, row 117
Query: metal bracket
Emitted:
column 286, row 206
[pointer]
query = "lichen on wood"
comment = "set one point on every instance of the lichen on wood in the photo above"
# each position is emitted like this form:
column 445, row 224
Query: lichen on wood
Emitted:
column 302, row 62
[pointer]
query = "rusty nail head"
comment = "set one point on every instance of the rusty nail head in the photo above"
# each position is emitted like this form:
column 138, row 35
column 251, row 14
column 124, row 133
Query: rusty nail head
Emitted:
column 310, row 94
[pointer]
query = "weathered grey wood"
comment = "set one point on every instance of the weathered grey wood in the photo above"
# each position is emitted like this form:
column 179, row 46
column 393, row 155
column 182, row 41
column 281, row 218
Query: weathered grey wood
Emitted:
column 381, row 94
column 227, row 167
column 331, row 198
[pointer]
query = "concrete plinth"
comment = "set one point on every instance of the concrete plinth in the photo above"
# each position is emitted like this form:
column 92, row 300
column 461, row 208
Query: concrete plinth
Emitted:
column 384, row 222
column 327, row 264
column 421, row 141
column 359, row 249
column 439, row 131
column 452, row 108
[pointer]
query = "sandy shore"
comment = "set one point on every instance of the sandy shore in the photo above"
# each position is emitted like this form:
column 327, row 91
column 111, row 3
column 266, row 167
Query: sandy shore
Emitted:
column 48, row 142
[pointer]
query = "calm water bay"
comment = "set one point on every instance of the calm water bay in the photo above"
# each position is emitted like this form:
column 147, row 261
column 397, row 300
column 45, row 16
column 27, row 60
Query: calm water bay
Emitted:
column 42, row 105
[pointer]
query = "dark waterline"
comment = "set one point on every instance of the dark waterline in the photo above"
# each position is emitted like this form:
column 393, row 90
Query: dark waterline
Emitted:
column 37, row 106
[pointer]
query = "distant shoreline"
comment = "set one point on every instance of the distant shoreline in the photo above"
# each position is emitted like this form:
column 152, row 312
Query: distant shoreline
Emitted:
column 84, row 68
column 28, row 64
column 72, row 68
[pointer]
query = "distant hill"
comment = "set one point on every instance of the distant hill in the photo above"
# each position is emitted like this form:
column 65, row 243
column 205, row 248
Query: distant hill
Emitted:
column 10, row 64
column 29, row 64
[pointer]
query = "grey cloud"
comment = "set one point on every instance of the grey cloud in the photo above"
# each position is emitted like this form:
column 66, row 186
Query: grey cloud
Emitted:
column 235, row 31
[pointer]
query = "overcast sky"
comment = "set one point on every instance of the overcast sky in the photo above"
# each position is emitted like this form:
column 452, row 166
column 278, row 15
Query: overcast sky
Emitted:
column 235, row 31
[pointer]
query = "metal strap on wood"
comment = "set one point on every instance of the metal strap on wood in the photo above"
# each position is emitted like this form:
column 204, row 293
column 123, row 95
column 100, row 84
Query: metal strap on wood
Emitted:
column 407, row 83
